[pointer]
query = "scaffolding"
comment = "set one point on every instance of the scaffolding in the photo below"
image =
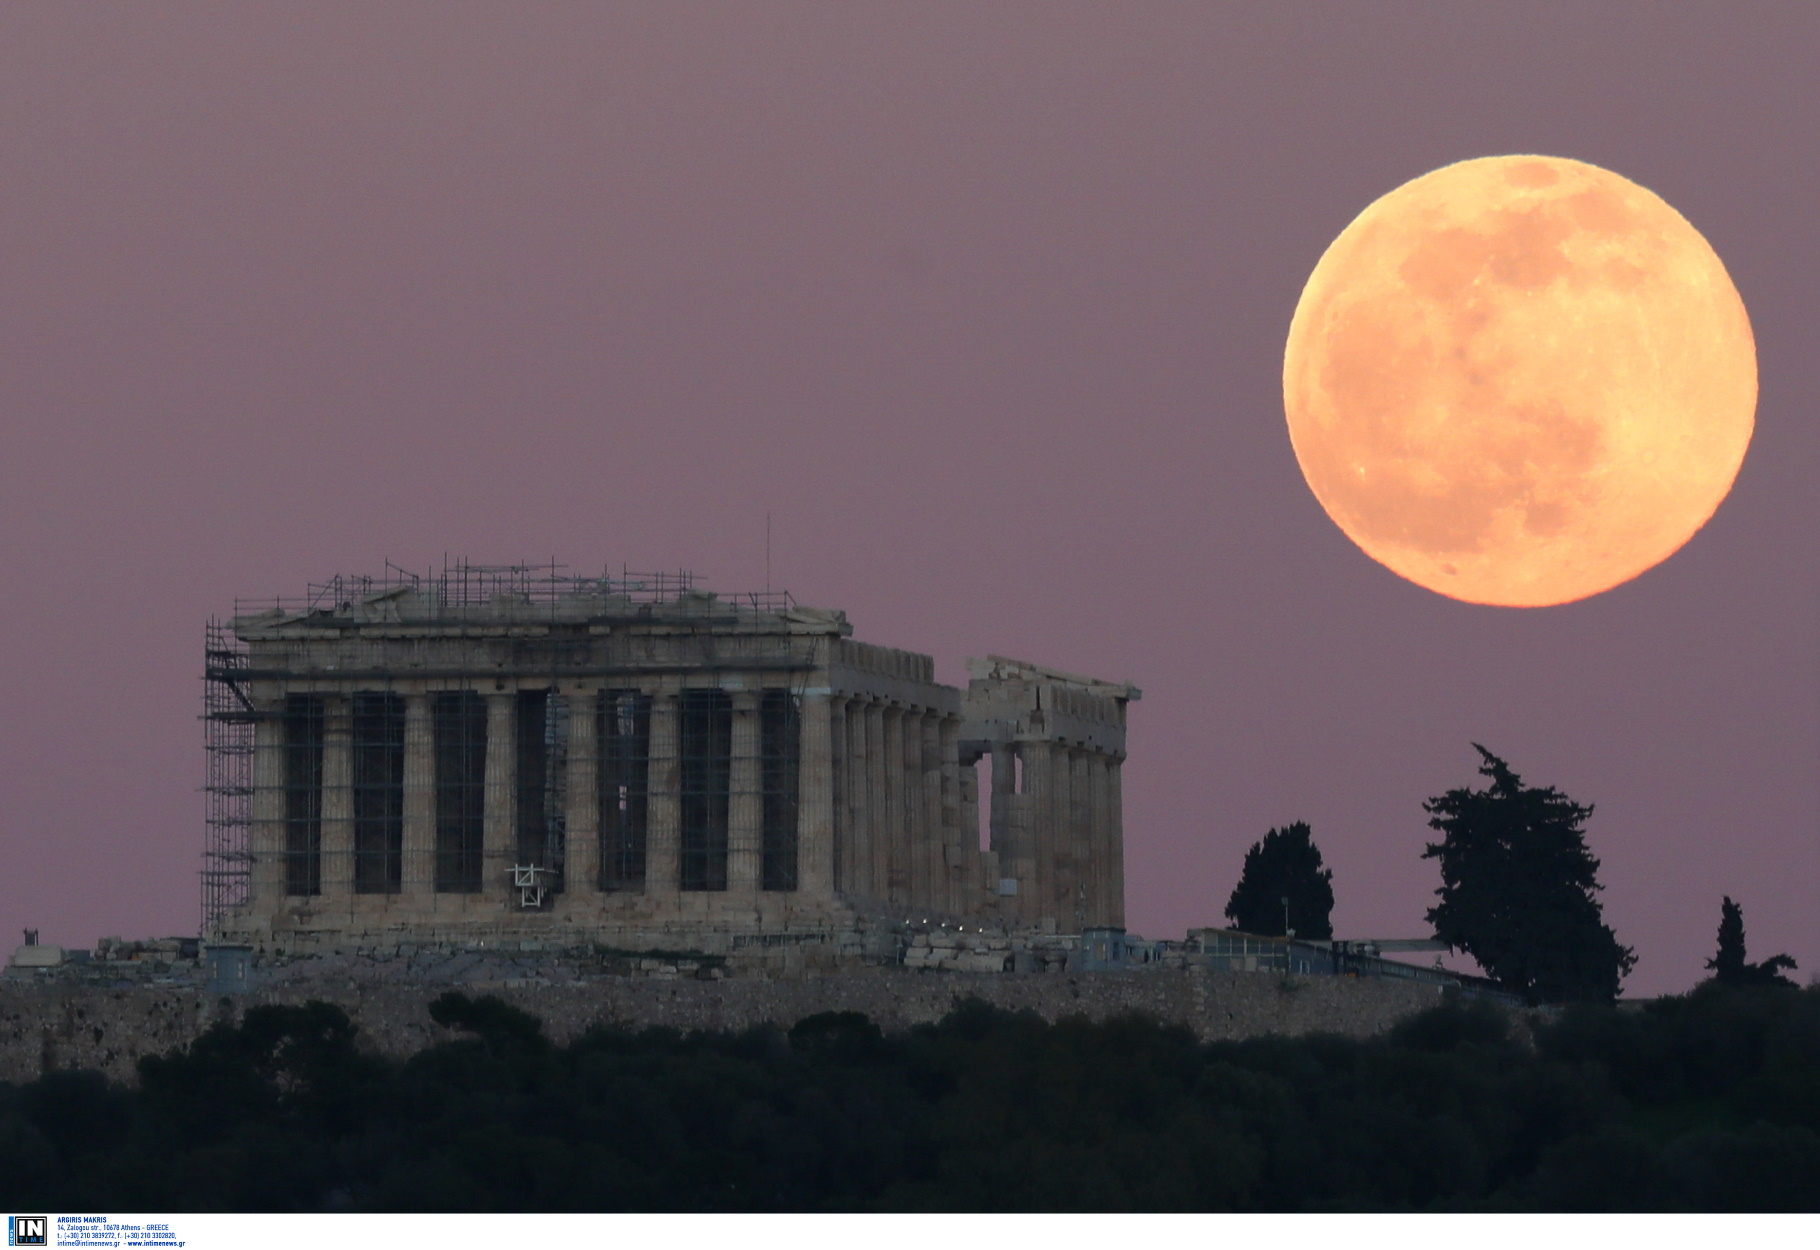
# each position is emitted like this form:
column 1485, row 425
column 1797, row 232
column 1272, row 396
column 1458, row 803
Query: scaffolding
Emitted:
column 227, row 727
column 461, row 586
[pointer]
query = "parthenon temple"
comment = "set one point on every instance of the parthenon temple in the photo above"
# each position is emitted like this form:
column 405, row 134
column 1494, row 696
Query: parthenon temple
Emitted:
column 518, row 754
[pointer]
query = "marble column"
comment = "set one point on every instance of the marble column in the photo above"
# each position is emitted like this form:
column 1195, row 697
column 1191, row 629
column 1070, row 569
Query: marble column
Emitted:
column 954, row 839
column 265, row 839
column 1080, row 837
column 1089, row 838
column 1002, row 820
column 581, row 819
column 857, row 863
column 745, row 801
column 419, row 799
column 498, row 837
column 1098, row 878
column 930, row 829
column 878, row 809
column 839, row 819
column 895, row 885
column 338, row 798
column 1037, row 862
column 980, row 878
column 914, row 874
column 663, row 826
column 1115, row 843
column 1061, row 837
column 815, row 798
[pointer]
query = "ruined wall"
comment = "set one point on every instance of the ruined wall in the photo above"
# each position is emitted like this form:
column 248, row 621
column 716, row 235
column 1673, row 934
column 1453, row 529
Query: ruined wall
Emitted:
column 52, row 1025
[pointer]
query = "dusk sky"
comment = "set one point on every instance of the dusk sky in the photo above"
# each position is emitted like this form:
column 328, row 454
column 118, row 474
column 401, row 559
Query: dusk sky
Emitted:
column 984, row 304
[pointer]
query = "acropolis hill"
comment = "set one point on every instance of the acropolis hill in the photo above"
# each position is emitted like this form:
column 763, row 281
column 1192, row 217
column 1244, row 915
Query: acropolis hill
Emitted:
column 623, row 799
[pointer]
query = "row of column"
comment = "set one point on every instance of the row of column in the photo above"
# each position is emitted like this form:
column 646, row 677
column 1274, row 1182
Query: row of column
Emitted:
column 1058, row 830
column 906, row 821
column 902, row 842
column 500, row 850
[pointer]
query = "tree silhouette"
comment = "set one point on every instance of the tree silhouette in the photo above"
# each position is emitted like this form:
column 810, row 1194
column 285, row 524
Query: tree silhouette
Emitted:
column 1696, row 1102
column 1729, row 966
column 1517, row 889
column 1286, row 864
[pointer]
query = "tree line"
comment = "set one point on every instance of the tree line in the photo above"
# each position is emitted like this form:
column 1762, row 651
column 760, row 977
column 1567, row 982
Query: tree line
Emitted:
column 1709, row 1101
column 1519, row 893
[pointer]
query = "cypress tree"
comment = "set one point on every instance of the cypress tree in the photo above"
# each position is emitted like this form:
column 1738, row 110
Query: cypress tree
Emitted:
column 1729, row 965
column 1285, row 864
column 1518, row 889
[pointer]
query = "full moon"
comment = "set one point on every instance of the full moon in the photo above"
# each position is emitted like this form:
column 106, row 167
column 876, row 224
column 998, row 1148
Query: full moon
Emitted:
column 1520, row 380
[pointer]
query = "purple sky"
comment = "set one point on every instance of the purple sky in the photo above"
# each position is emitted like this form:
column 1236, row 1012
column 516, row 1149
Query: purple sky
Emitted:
column 986, row 304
